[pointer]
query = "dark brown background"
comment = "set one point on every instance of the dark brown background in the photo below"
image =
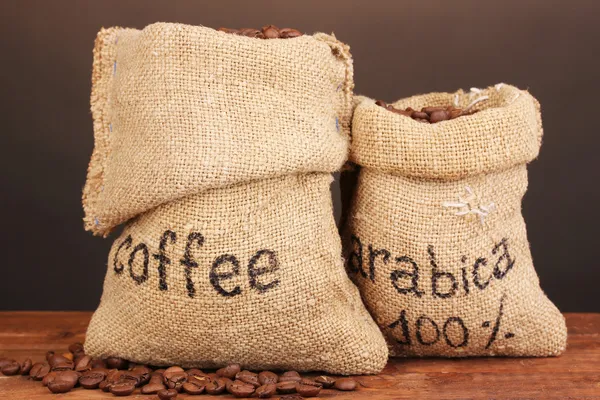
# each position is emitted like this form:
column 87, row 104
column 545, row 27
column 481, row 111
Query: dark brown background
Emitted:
column 400, row 48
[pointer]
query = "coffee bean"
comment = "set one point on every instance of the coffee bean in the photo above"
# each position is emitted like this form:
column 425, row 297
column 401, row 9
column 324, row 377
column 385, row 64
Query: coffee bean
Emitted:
column 49, row 354
column 229, row 371
column 83, row 364
column 326, row 381
column 105, row 386
column 267, row 377
column 438, row 116
column 68, row 356
column 289, row 378
column 11, row 368
column 420, row 114
column 97, row 363
column 430, row 110
column 167, row 373
column 345, row 384
column 167, row 394
column 91, row 379
column 63, row 366
column 68, row 376
column 116, row 363
column 455, row 113
column 26, row 366
column 229, row 383
column 248, row 377
column 291, row 397
column 143, row 373
column 191, row 388
column 266, row 391
column 381, row 103
column 60, row 386
column 75, row 347
column 153, row 388
column 216, row 386
column 49, row 378
column 175, row 380
column 241, row 389
column 308, row 390
column 58, row 359
column 39, row 370
column 122, row 388
column 289, row 33
column 251, row 32
column 195, row 372
column 131, row 376
column 270, row 31
column 286, row 387
column 5, row 361
column 199, row 380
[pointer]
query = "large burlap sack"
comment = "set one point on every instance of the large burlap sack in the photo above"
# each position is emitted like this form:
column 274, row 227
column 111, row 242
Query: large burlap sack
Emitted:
column 435, row 238
column 218, row 151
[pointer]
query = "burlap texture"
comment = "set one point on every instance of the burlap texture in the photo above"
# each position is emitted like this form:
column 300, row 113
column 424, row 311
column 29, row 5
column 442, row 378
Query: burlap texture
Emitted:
column 218, row 151
column 435, row 238
column 179, row 109
column 312, row 319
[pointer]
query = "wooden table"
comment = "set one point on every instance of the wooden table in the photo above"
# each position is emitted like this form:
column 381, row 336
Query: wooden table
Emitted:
column 574, row 375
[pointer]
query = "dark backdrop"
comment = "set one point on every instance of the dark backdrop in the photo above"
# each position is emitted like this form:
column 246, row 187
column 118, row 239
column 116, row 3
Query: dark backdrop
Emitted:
column 400, row 48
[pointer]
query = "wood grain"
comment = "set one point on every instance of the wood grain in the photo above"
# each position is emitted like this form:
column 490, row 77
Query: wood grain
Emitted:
column 574, row 375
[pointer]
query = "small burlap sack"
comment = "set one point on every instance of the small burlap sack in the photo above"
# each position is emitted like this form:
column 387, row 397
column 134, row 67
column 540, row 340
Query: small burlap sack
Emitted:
column 435, row 238
column 217, row 150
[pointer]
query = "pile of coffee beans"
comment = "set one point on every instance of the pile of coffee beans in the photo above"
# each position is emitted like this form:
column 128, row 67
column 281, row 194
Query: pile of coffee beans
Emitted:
column 61, row 373
column 266, row 32
column 429, row 115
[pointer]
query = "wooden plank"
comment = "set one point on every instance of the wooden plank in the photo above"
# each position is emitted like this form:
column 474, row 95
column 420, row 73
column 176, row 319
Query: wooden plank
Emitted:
column 575, row 374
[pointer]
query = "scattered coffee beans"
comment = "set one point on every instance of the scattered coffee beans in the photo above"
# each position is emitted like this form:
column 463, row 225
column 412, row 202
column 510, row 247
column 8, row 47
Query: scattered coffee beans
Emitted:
column 428, row 114
column 63, row 372
column 267, row 32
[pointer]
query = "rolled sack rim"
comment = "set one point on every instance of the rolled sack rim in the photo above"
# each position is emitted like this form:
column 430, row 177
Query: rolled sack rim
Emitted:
column 494, row 138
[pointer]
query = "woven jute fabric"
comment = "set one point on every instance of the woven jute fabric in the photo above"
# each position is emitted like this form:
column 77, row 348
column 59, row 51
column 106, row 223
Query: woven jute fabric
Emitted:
column 217, row 150
column 435, row 238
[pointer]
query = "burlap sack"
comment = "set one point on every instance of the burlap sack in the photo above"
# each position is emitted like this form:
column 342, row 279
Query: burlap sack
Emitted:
column 218, row 151
column 435, row 239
